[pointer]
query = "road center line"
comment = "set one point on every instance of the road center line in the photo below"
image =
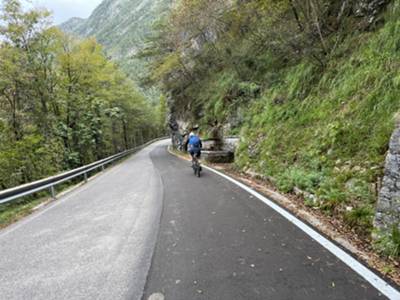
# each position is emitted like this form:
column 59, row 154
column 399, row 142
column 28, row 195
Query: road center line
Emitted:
column 359, row 268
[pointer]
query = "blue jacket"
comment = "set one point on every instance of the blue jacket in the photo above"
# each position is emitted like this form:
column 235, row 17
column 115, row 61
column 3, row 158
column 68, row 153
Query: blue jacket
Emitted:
column 194, row 143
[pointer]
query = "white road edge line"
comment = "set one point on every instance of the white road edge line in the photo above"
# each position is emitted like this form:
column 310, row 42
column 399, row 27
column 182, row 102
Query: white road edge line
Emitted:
column 359, row 268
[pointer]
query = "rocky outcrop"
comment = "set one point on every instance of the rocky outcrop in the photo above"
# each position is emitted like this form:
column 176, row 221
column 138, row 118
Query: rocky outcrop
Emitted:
column 176, row 136
column 369, row 8
column 369, row 11
column 231, row 143
column 72, row 25
column 388, row 207
column 122, row 27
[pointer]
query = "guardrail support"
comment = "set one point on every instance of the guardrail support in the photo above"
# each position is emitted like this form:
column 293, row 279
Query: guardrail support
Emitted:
column 102, row 167
column 53, row 192
column 85, row 177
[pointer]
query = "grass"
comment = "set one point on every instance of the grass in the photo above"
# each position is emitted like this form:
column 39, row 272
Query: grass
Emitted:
column 388, row 243
column 15, row 211
column 327, row 132
column 361, row 218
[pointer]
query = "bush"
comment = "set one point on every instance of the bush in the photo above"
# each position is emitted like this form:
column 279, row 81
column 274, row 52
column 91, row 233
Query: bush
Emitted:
column 360, row 218
column 296, row 177
column 388, row 243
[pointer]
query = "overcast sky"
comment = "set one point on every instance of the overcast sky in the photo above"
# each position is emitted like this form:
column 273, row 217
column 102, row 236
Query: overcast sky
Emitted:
column 65, row 9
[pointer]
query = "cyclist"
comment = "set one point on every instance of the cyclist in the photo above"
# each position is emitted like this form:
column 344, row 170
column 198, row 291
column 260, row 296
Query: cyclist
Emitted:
column 194, row 144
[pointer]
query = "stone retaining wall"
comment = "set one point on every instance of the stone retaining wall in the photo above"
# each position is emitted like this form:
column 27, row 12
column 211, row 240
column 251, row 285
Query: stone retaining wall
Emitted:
column 388, row 207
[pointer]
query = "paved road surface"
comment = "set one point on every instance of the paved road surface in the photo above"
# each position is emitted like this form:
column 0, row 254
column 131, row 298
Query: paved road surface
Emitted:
column 150, row 224
column 95, row 243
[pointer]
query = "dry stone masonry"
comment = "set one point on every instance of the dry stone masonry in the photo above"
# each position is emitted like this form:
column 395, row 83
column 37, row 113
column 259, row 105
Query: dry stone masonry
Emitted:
column 388, row 207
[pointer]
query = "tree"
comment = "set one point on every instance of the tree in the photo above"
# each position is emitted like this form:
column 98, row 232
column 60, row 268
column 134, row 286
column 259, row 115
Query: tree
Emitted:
column 62, row 102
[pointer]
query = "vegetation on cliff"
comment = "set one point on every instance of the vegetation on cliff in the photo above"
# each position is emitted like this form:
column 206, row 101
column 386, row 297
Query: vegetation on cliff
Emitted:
column 311, row 87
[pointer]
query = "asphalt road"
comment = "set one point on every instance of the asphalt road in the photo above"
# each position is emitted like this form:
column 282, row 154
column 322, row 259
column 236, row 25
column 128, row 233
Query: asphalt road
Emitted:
column 149, row 229
column 94, row 243
column 216, row 241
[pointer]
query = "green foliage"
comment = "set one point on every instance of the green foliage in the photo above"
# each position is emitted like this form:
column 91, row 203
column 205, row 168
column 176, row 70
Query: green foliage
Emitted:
column 12, row 212
column 161, row 115
column 62, row 102
column 388, row 243
column 361, row 218
column 311, row 92
column 27, row 159
column 209, row 55
column 337, row 123
column 295, row 177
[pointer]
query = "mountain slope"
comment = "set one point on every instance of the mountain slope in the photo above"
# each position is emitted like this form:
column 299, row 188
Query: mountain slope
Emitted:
column 121, row 27
column 73, row 24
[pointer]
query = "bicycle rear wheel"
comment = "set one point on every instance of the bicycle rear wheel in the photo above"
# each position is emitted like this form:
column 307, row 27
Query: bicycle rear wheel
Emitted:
column 198, row 167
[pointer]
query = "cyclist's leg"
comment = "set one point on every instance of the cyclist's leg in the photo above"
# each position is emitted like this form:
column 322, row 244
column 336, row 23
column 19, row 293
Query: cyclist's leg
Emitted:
column 192, row 154
column 197, row 157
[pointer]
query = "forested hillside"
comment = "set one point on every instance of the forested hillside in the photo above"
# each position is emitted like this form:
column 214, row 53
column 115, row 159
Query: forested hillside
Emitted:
column 312, row 88
column 62, row 102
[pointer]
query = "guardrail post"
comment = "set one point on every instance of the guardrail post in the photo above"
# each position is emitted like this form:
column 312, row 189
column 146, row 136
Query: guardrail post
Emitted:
column 102, row 167
column 53, row 192
column 85, row 177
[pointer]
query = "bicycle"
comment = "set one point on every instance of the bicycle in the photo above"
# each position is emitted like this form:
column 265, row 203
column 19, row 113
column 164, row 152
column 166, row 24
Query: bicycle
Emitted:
column 196, row 166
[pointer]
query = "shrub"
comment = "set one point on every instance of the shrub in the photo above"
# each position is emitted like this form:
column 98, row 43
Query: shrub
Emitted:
column 388, row 243
column 360, row 218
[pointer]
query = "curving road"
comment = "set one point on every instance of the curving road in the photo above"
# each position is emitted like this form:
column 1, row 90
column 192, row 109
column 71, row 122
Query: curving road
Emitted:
column 149, row 229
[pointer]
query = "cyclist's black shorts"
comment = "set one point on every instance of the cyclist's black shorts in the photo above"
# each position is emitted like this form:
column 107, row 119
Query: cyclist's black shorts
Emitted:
column 195, row 153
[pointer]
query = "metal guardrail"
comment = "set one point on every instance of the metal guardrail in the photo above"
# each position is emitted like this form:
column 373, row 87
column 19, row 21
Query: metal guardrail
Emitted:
column 11, row 194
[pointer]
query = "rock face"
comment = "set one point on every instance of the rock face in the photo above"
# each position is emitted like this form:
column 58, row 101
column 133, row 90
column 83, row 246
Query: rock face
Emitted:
column 122, row 27
column 369, row 11
column 388, row 208
column 231, row 143
column 369, row 8
column 176, row 136
column 72, row 25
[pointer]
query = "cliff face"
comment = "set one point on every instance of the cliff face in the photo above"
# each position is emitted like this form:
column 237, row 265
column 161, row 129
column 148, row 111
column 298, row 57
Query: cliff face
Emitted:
column 121, row 26
column 73, row 24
